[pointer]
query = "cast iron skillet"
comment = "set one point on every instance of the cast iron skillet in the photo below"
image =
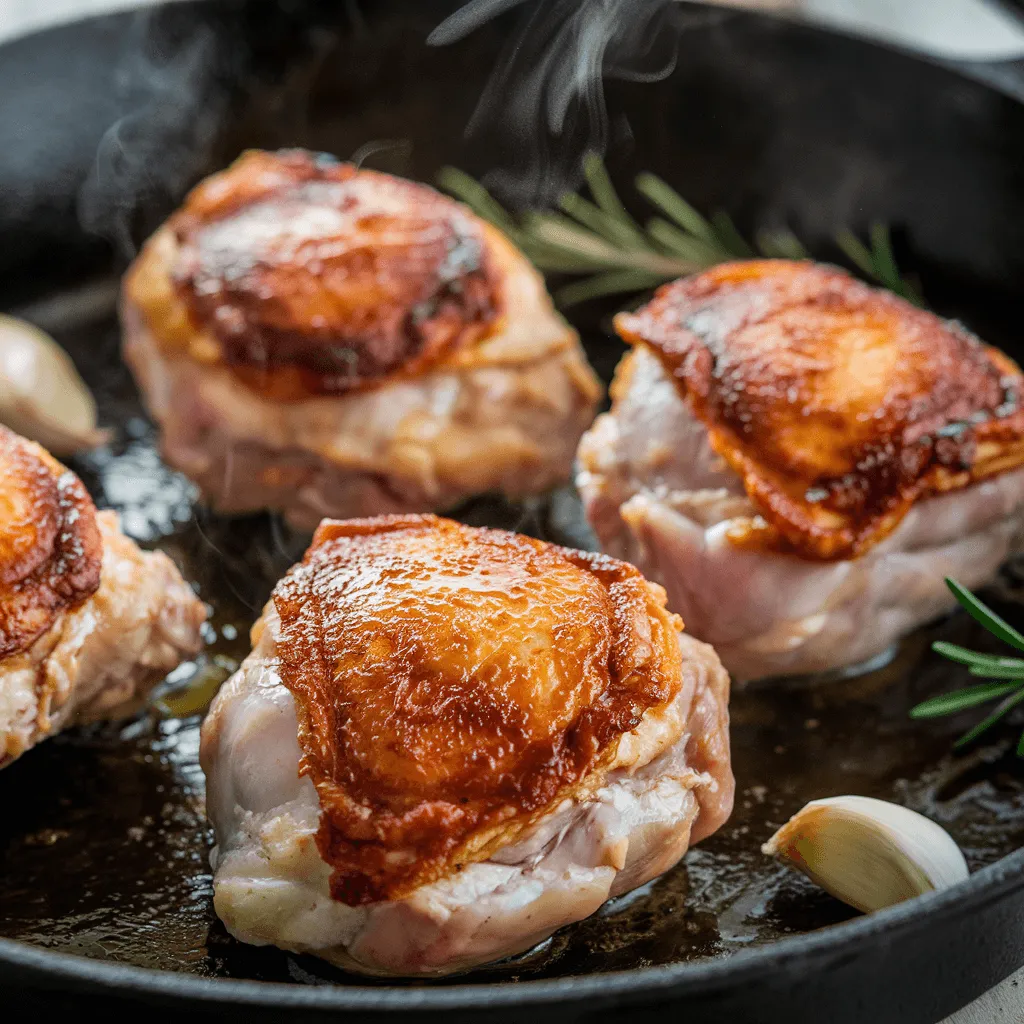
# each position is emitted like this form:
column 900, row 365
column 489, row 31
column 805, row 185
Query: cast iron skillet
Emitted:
column 105, row 890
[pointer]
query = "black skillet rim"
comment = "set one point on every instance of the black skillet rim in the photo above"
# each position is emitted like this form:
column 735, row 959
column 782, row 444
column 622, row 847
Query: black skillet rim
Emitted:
column 985, row 887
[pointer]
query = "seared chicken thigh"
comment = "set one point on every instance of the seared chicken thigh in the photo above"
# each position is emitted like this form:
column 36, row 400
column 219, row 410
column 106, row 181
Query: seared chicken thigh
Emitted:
column 448, row 742
column 88, row 622
column 800, row 460
column 330, row 341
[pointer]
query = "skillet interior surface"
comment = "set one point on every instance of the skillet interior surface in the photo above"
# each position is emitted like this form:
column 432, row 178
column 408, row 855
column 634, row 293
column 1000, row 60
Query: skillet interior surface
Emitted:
column 103, row 844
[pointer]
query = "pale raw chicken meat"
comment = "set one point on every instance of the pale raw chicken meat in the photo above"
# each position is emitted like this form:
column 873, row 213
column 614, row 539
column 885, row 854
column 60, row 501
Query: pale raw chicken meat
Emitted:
column 664, row 784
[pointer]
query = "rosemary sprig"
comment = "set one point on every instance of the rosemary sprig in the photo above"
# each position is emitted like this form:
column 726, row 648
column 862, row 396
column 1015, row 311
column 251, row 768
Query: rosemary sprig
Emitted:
column 598, row 240
column 990, row 666
column 593, row 238
column 878, row 262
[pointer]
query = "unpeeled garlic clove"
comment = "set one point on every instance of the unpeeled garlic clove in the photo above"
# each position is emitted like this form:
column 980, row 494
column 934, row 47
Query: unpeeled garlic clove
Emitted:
column 42, row 396
column 868, row 853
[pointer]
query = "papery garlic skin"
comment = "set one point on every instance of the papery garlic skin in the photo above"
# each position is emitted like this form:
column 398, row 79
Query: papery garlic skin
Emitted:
column 868, row 853
column 42, row 397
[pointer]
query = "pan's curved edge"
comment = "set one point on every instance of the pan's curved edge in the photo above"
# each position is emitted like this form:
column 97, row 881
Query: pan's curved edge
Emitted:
column 22, row 964
column 813, row 951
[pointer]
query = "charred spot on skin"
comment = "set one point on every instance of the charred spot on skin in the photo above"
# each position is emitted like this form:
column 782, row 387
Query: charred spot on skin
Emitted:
column 423, row 311
column 956, row 452
column 336, row 359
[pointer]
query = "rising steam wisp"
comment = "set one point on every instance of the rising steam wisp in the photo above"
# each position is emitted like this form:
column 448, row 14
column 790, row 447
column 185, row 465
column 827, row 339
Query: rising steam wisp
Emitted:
column 549, row 83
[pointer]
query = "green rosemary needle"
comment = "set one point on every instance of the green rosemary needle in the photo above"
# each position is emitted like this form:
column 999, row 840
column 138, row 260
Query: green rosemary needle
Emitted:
column 596, row 239
column 989, row 666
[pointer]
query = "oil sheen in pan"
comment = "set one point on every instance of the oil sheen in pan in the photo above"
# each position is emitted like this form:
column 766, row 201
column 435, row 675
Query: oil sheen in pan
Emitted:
column 104, row 846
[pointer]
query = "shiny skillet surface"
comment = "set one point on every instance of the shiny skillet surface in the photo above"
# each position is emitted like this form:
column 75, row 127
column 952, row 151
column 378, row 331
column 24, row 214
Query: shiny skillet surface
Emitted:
column 104, row 846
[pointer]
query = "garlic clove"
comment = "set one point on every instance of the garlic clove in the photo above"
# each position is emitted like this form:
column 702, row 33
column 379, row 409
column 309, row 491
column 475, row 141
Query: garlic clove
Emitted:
column 868, row 853
column 42, row 396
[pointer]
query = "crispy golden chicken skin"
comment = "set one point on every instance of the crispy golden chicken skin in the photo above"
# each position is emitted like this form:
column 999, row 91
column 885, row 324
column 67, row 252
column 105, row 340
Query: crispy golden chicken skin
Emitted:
column 315, row 277
column 452, row 684
column 839, row 405
column 50, row 546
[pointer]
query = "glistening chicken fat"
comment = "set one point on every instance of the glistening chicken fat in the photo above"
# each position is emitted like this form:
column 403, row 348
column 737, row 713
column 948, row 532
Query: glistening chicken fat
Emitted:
column 801, row 459
column 450, row 741
column 331, row 341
